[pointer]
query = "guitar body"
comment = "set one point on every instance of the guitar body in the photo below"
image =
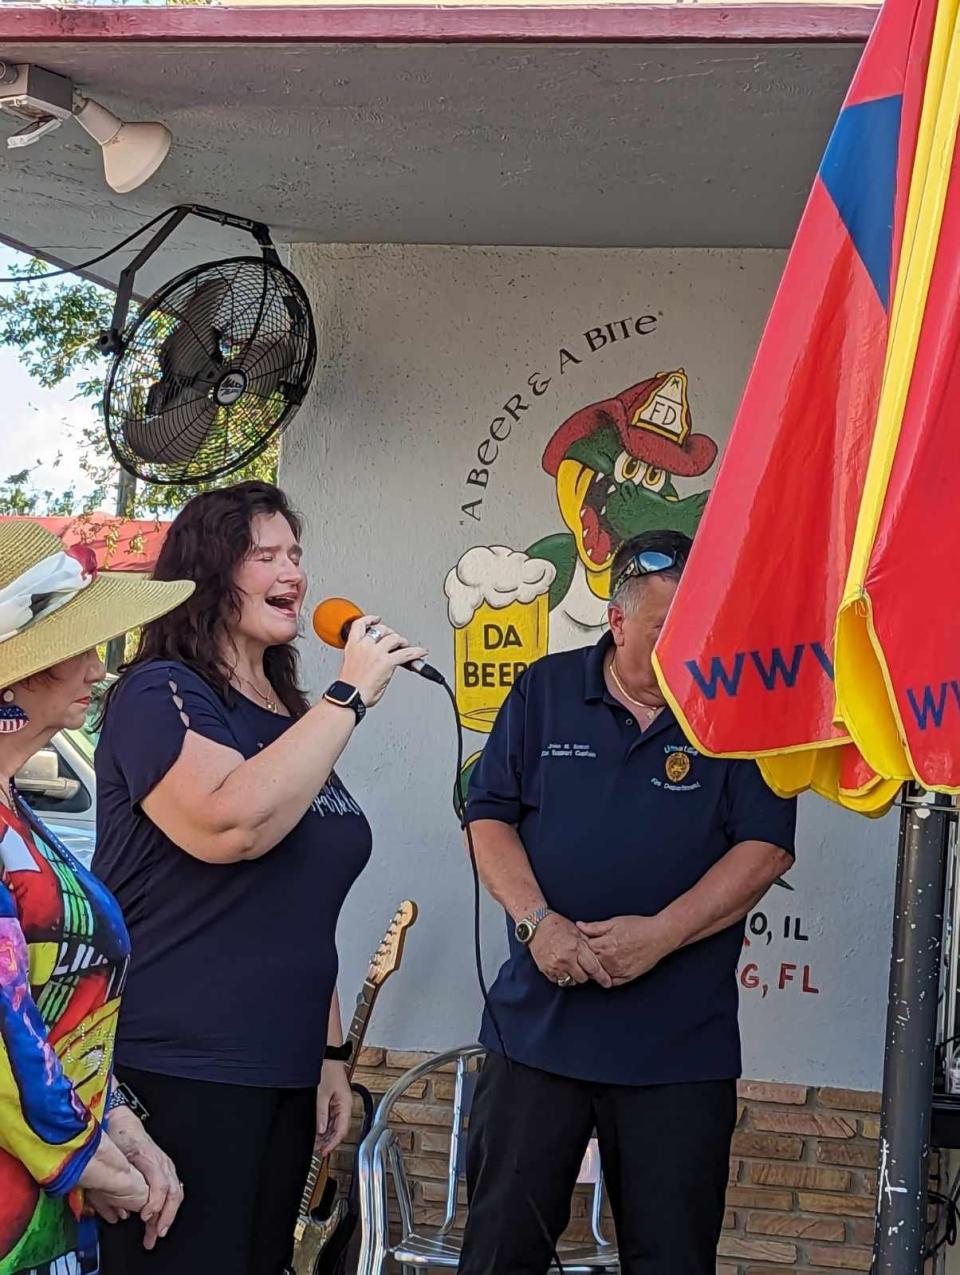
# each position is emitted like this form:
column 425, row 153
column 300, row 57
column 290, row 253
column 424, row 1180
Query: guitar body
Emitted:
column 333, row 1257
column 323, row 1236
column 327, row 1217
column 314, row 1244
column 313, row 1233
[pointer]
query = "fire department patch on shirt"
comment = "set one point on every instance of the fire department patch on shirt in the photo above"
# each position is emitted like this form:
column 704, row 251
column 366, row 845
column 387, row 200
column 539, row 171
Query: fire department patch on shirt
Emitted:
column 677, row 767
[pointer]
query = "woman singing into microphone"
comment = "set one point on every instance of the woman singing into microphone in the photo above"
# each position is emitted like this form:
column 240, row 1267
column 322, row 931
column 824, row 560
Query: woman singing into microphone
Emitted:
column 231, row 844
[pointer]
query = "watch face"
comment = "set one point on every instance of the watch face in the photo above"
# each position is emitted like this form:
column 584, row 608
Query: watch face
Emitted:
column 524, row 932
column 347, row 696
column 341, row 692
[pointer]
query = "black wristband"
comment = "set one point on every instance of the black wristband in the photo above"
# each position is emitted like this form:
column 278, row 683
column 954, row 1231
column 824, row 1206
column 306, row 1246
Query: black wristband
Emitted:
column 117, row 1099
column 338, row 1053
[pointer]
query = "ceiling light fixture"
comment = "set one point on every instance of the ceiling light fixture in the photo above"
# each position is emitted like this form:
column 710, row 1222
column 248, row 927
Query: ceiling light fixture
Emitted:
column 132, row 153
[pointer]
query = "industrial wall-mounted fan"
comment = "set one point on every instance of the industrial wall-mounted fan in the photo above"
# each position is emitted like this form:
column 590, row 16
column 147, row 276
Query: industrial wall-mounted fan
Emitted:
column 213, row 367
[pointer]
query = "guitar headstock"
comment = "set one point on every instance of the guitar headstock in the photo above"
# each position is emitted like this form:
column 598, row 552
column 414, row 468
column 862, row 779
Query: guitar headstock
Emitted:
column 386, row 959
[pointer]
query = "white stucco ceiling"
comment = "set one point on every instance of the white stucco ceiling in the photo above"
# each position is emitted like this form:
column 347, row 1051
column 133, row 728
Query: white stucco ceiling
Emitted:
column 555, row 144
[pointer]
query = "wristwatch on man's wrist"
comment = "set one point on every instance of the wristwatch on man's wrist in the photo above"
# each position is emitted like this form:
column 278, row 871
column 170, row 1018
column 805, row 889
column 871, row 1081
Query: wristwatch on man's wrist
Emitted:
column 345, row 696
column 527, row 928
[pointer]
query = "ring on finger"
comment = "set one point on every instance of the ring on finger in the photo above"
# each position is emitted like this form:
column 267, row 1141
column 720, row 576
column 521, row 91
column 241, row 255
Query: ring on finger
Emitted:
column 564, row 980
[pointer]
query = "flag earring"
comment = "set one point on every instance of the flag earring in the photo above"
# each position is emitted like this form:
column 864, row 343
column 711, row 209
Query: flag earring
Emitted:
column 12, row 716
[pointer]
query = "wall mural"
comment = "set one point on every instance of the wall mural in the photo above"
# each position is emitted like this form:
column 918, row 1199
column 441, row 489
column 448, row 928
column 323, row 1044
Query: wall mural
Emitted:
column 613, row 465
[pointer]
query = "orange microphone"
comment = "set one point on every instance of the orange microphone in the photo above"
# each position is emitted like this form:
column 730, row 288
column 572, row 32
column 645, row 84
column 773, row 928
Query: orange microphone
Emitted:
column 332, row 621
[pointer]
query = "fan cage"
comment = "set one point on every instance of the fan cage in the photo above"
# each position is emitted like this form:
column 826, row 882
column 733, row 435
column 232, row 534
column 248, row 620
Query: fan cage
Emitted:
column 239, row 327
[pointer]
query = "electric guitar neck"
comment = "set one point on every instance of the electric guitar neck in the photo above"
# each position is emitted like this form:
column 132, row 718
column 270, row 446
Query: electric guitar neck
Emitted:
column 320, row 1212
column 319, row 1168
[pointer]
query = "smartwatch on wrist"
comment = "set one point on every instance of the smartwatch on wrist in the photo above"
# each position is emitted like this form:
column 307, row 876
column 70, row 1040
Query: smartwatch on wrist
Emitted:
column 345, row 696
column 527, row 928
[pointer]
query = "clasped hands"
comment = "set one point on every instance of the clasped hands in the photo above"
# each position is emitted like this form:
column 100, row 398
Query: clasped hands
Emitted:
column 610, row 953
column 130, row 1174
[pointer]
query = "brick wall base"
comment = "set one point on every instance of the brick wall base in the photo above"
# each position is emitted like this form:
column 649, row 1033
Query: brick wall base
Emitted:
column 802, row 1172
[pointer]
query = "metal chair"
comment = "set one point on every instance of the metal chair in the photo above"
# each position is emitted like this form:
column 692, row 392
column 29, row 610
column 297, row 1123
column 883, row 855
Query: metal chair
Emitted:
column 420, row 1249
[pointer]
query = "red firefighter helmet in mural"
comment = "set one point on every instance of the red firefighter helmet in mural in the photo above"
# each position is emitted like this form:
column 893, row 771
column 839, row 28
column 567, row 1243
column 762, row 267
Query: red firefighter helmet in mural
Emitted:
column 653, row 421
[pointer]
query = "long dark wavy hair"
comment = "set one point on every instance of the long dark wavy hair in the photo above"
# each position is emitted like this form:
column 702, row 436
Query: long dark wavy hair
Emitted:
column 206, row 542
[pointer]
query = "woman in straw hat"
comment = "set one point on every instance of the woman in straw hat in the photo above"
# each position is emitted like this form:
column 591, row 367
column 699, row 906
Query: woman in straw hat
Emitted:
column 70, row 1147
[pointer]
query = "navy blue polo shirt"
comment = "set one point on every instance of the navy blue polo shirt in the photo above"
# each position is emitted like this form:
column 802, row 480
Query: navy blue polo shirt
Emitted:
column 617, row 822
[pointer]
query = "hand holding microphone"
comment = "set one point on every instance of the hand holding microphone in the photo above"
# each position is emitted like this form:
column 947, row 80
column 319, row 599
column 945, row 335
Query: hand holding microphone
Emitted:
column 372, row 652
column 372, row 655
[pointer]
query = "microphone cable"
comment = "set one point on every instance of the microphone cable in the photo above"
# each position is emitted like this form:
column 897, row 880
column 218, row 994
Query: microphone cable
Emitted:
column 461, row 803
column 331, row 619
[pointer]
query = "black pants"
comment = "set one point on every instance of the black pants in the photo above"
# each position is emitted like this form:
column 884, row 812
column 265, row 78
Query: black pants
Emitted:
column 242, row 1155
column 665, row 1152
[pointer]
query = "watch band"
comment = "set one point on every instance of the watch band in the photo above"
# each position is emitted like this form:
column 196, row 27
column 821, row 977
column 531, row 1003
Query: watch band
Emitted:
column 122, row 1096
column 346, row 696
column 527, row 926
column 117, row 1098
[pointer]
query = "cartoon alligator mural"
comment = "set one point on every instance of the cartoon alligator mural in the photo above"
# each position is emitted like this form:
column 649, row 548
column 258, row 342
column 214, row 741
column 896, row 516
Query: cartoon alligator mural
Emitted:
column 614, row 463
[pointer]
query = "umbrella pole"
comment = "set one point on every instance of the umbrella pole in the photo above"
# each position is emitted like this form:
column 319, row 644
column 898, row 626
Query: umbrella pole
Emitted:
column 911, row 1034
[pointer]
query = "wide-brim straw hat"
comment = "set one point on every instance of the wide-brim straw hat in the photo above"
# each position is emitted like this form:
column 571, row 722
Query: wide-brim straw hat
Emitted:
column 110, row 605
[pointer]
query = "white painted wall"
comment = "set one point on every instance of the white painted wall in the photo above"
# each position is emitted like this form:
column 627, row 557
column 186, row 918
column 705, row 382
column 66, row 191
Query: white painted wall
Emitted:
column 420, row 348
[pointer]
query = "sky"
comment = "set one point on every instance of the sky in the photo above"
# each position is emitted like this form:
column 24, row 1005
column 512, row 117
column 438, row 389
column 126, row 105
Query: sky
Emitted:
column 38, row 422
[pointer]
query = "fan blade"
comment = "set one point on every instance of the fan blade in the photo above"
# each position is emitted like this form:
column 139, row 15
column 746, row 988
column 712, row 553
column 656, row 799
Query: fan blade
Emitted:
column 191, row 350
column 175, row 435
column 203, row 308
column 186, row 357
column 266, row 362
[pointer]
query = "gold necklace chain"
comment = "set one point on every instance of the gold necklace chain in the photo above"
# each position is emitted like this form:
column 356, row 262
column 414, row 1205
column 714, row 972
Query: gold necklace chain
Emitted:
column 647, row 708
column 269, row 704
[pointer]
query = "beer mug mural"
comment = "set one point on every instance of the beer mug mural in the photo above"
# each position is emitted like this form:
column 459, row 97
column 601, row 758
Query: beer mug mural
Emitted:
column 497, row 606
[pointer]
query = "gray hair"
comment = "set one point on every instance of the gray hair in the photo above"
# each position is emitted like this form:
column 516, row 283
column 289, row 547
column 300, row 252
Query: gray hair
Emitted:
column 628, row 596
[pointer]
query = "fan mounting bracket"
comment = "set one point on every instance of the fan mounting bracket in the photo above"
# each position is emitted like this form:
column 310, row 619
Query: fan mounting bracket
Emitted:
column 111, row 339
column 212, row 366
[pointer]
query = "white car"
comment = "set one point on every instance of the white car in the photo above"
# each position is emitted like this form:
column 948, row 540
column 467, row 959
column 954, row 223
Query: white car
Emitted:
column 60, row 785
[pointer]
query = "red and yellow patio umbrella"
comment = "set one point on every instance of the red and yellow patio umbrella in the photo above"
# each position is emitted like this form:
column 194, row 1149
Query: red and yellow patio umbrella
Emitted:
column 815, row 627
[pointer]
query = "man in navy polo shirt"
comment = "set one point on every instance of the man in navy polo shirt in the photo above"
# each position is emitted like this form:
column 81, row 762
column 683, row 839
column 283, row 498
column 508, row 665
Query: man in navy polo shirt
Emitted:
column 626, row 862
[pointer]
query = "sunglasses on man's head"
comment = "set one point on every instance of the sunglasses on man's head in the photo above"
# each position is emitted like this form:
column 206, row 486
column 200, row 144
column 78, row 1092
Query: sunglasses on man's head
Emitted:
column 648, row 563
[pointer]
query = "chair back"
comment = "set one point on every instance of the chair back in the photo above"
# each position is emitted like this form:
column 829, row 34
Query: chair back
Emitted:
column 379, row 1156
column 465, row 1087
